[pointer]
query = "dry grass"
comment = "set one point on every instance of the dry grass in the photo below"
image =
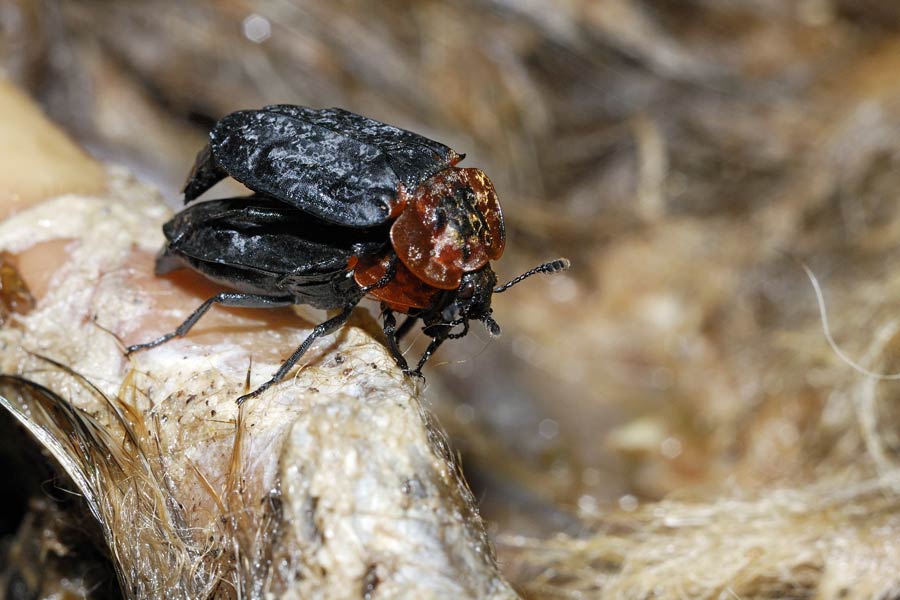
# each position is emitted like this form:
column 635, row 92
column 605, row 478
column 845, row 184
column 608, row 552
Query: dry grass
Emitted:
column 115, row 463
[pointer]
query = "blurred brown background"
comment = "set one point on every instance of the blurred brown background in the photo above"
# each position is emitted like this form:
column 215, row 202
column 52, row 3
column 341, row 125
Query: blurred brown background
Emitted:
column 685, row 155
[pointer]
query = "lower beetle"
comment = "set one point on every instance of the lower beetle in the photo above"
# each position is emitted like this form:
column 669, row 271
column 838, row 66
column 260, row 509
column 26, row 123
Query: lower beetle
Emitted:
column 343, row 207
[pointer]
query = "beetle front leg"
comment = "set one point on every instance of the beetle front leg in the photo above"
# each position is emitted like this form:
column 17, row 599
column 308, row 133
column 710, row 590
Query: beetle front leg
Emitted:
column 389, row 273
column 318, row 331
column 225, row 299
column 392, row 334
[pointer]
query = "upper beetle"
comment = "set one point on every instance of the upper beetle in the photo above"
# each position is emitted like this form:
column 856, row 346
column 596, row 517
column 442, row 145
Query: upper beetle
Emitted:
column 344, row 207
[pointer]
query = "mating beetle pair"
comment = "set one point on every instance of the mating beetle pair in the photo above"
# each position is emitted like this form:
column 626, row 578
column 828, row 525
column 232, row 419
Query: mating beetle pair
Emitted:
column 344, row 207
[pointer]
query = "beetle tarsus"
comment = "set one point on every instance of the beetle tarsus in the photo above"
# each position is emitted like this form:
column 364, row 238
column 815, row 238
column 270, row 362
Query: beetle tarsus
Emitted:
column 255, row 392
column 146, row 346
column 414, row 373
column 385, row 279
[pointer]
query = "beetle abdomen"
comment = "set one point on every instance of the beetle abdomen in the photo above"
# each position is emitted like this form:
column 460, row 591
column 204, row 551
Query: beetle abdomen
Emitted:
column 260, row 245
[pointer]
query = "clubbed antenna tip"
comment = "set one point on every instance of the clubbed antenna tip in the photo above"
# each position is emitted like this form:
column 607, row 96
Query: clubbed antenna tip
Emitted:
column 553, row 266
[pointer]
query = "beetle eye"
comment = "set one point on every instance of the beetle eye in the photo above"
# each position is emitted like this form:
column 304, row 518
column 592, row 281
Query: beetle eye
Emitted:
column 466, row 292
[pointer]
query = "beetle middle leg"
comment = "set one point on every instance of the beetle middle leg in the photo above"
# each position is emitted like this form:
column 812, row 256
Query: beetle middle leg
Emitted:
column 392, row 333
column 406, row 326
column 441, row 333
column 225, row 299
column 318, row 331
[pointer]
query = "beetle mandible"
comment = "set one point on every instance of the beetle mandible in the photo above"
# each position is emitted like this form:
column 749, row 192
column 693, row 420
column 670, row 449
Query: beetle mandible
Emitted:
column 343, row 207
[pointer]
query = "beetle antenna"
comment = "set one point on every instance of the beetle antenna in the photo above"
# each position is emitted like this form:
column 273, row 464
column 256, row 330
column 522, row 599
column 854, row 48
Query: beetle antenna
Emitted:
column 553, row 266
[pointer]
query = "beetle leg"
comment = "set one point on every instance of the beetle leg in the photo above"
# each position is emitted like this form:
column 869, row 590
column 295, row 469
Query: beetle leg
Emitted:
column 406, row 327
column 318, row 331
column 392, row 334
column 463, row 333
column 389, row 274
column 432, row 348
column 225, row 299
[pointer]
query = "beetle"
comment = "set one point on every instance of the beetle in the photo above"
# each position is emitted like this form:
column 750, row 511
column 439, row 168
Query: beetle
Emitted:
column 344, row 207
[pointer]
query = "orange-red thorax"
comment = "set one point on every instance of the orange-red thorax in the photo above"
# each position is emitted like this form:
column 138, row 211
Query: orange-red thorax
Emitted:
column 405, row 292
column 451, row 224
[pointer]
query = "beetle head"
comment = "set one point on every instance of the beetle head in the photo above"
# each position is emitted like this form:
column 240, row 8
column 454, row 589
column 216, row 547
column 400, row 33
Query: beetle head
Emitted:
column 471, row 301
column 473, row 297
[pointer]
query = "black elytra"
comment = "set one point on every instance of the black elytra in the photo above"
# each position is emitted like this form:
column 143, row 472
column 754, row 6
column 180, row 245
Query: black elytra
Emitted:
column 343, row 207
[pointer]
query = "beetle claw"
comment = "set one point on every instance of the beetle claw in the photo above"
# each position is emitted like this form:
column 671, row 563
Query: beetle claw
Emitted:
column 245, row 397
column 414, row 373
